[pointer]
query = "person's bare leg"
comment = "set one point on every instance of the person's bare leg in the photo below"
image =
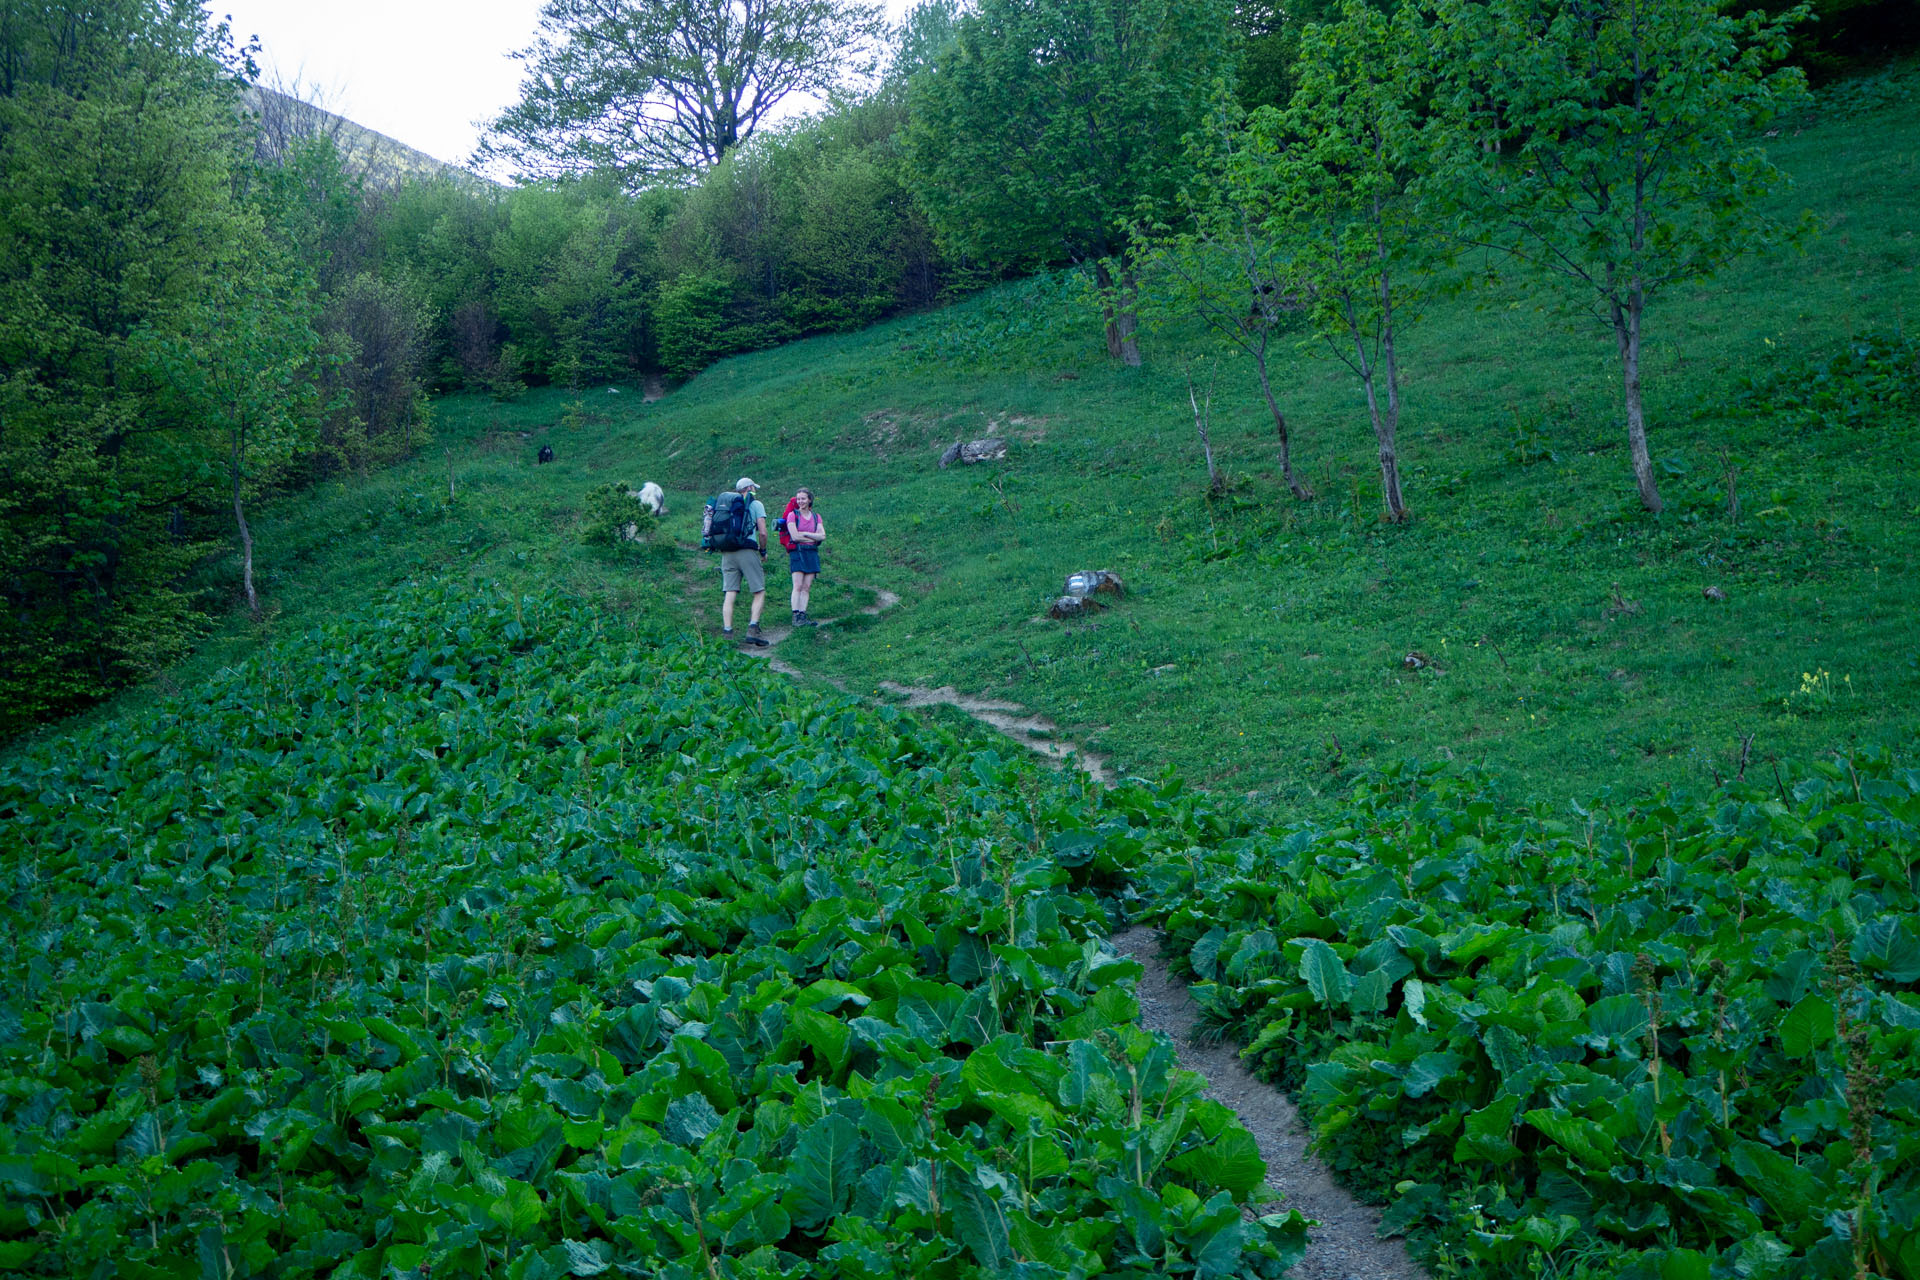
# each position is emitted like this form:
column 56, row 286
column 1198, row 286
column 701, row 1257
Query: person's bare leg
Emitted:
column 759, row 603
column 797, row 598
column 726, row 610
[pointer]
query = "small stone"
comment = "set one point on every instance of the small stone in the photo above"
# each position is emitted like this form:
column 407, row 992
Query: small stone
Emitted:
column 1072, row 607
column 1713, row 593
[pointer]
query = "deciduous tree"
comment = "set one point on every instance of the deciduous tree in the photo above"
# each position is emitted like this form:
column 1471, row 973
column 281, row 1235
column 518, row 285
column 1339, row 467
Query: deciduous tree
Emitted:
column 232, row 378
column 1344, row 159
column 1041, row 128
column 1613, row 145
column 1227, row 258
column 645, row 88
column 120, row 140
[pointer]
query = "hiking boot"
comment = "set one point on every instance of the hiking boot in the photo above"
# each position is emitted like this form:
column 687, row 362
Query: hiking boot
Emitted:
column 755, row 638
column 801, row 619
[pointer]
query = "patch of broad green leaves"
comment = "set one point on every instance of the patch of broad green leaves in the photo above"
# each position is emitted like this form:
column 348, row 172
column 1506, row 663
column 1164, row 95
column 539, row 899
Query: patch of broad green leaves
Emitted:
column 1680, row 1035
column 464, row 936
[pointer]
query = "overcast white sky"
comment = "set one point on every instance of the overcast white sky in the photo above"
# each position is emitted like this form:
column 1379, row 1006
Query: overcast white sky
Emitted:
column 422, row 71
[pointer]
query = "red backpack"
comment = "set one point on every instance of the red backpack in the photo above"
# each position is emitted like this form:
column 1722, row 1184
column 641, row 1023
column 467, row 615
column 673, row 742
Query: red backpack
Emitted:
column 786, row 535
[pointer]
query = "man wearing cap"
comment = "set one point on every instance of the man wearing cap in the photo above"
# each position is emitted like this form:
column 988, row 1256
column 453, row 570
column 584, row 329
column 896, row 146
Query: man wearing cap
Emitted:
column 748, row 565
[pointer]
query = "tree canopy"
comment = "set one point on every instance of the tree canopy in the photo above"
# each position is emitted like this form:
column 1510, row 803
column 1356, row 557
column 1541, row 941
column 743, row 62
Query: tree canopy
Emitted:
column 1044, row 125
column 651, row 88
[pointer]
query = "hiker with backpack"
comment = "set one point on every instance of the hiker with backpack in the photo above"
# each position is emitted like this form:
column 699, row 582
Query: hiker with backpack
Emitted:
column 735, row 525
column 801, row 534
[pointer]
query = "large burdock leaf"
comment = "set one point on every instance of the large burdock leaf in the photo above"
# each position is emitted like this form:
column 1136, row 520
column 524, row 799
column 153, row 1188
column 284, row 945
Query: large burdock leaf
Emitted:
column 826, row 1035
column 825, row 1166
column 1790, row 1191
column 1615, row 1022
column 1323, row 973
column 690, row 1119
column 1889, row 948
column 1485, row 1134
column 1428, row 1071
column 1581, row 1138
column 1807, row 1026
column 1231, row 1161
column 587, row 1257
column 1214, row 1238
column 1900, row 1011
column 518, row 1209
column 980, row 1224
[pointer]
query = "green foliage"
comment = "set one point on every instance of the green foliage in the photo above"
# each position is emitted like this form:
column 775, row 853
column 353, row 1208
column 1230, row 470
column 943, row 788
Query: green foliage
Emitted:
column 1688, row 1023
column 377, row 330
column 1037, row 159
column 693, row 330
column 571, row 274
column 468, row 933
column 614, row 514
column 1341, row 165
column 1269, row 39
column 119, row 223
column 666, row 89
column 1616, row 153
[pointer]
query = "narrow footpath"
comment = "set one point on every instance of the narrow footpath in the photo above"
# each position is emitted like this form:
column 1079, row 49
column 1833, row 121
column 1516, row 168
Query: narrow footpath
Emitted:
column 1344, row 1243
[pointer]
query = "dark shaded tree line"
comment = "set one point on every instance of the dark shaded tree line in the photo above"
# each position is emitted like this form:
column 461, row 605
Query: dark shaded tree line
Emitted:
column 166, row 351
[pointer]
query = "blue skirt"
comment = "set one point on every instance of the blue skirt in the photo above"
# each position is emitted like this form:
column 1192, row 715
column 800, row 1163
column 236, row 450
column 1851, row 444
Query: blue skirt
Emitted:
column 803, row 560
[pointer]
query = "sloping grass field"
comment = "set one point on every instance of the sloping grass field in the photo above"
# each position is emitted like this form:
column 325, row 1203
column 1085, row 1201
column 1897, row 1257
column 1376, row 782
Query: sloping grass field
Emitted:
column 1557, row 634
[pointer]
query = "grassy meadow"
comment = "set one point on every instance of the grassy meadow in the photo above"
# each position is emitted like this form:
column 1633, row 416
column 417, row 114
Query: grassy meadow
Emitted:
column 1565, row 639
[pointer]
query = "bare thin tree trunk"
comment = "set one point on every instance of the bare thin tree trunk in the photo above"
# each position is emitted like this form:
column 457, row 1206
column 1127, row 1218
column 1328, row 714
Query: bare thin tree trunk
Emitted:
column 1386, row 426
column 1117, row 305
column 1626, row 328
column 1214, row 484
column 1279, row 425
column 1127, row 316
column 246, row 534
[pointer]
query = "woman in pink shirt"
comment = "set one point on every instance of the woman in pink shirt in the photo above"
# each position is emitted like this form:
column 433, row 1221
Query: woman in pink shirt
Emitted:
column 808, row 531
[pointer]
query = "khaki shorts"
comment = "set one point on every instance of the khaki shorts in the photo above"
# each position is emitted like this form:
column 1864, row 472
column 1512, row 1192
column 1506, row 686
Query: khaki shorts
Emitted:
column 736, row 565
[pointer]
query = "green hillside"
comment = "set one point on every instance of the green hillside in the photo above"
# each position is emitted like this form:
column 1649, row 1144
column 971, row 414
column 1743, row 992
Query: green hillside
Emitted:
column 1564, row 638
column 465, row 905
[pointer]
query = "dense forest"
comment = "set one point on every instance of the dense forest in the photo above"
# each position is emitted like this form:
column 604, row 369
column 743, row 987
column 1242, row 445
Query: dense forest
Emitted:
column 193, row 318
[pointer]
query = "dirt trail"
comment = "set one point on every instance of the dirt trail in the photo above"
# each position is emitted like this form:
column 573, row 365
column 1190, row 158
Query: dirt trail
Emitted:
column 1344, row 1245
column 1035, row 733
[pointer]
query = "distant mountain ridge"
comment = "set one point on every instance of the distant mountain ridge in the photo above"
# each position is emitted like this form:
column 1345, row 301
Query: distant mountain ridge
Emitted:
column 285, row 121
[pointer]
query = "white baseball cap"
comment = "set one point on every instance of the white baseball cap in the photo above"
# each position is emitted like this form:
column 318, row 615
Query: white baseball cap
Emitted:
column 743, row 484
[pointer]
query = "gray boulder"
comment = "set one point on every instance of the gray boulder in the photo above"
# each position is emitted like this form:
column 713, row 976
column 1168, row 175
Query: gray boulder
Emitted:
column 1066, row 607
column 991, row 449
column 1089, row 582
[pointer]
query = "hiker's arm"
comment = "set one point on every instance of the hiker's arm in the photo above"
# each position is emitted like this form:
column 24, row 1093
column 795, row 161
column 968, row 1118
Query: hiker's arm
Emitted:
column 818, row 535
column 763, row 535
